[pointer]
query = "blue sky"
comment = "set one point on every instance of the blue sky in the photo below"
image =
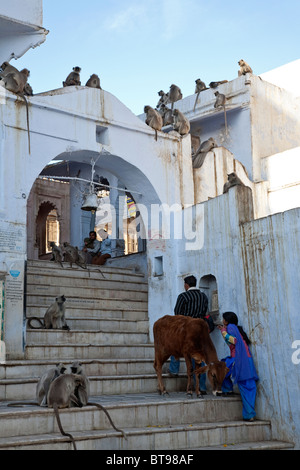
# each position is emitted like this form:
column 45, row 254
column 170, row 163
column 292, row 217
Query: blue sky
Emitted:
column 138, row 47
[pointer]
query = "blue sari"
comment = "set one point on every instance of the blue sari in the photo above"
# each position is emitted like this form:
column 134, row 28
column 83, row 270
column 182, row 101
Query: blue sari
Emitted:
column 242, row 371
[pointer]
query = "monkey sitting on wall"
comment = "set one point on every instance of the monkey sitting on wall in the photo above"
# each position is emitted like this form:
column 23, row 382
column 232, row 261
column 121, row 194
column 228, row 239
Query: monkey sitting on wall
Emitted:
column 233, row 180
column 16, row 82
column 221, row 102
column 199, row 157
column 166, row 114
column 244, row 68
column 216, row 84
column 174, row 94
column 73, row 78
column 163, row 100
column 93, row 82
column 54, row 317
column 200, row 86
column 181, row 124
column 153, row 119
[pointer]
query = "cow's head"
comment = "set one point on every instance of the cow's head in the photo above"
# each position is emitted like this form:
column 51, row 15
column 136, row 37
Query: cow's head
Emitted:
column 216, row 372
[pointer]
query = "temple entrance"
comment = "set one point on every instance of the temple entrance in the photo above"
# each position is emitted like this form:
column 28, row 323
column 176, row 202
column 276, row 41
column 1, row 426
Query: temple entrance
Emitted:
column 47, row 229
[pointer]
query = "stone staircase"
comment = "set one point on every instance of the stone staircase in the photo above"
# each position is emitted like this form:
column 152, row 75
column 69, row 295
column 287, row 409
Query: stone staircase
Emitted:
column 110, row 336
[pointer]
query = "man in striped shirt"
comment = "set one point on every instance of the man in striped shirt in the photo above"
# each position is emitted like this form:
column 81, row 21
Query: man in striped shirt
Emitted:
column 191, row 303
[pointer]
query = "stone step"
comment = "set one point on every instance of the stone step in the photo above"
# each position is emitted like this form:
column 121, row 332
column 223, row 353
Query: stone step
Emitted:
column 76, row 310
column 113, row 324
column 61, row 352
column 155, row 438
column 102, row 367
column 58, row 442
column 53, row 337
column 85, row 293
column 94, row 303
column 50, row 268
column 259, row 445
column 25, row 388
column 151, row 422
column 127, row 410
column 38, row 280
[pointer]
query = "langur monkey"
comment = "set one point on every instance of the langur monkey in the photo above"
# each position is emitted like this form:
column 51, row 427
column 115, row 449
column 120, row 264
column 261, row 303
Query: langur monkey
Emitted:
column 43, row 386
column 57, row 254
column 82, row 393
column 174, row 94
column 244, row 68
column 200, row 86
column 73, row 78
column 73, row 255
column 93, row 82
column 163, row 100
column 181, row 123
column 233, row 180
column 166, row 114
column 44, row 383
column 62, row 394
column 153, row 119
column 199, row 157
column 54, row 317
column 221, row 102
column 16, row 82
column 216, row 84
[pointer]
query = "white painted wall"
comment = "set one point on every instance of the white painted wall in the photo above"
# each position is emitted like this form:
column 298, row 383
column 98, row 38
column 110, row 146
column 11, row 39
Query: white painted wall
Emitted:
column 285, row 77
column 255, row 264
column 27, row 11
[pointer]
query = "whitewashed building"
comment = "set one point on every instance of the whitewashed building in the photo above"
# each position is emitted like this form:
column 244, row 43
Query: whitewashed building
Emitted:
column 243, row 246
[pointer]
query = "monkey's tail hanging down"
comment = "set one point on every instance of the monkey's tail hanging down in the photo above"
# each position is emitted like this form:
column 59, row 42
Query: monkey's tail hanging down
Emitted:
column 107, row 414
column 196, row 100
column 225, row 117
column 55, row 408
column 27, row 118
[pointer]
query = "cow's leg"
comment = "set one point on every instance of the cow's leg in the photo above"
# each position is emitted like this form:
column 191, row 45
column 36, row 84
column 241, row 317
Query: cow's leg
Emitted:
column 189, row 369
column 158, row 363
column 197, row 388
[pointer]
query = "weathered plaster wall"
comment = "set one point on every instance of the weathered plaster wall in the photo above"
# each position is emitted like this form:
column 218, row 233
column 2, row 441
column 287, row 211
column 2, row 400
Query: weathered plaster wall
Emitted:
column 282, row 171
column 255, row 263
column 21, row 28
column 78, row 124
column 270, row 248
column 275, row 122
column 26, row 11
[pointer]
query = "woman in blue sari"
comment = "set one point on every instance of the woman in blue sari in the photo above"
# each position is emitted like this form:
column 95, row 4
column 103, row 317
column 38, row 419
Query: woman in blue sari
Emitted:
column 240, row 364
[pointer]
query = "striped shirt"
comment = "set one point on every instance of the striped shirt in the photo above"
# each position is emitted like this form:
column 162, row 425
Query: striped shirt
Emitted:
column 192, row 303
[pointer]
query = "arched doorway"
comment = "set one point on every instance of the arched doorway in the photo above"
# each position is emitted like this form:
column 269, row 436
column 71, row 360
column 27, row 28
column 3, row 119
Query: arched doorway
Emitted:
column 47, row 228
column 48, row 217
column 208, row 284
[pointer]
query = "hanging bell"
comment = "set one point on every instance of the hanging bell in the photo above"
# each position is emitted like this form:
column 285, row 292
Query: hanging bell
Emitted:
column 90, row 203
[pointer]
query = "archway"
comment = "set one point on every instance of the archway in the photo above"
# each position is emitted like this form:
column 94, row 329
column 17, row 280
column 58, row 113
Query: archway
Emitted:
column 47, row 228
column 209, row 285
column 128, row 189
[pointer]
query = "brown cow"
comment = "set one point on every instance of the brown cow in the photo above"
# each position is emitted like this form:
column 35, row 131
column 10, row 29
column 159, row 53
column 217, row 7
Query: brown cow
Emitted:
column 183, row 336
